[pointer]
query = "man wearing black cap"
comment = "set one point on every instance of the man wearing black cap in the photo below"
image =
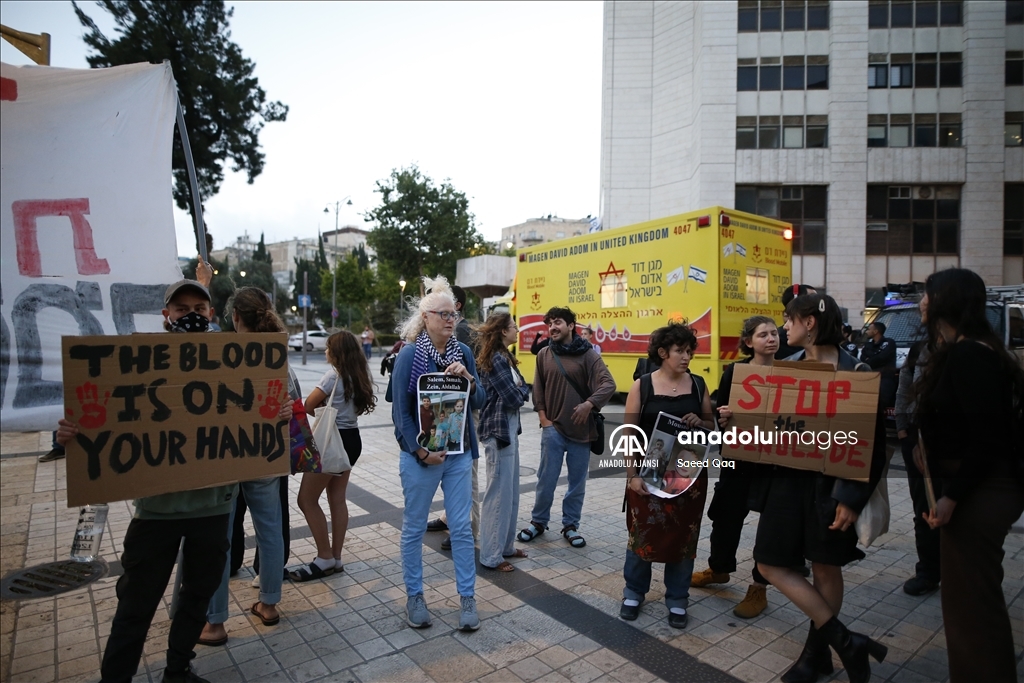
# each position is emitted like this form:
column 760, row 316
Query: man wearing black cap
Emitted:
column 150, row 546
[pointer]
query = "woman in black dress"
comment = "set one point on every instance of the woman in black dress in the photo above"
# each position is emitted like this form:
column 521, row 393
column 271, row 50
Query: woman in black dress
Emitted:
column 665, row 529
column 809, row 515
column 969, row 409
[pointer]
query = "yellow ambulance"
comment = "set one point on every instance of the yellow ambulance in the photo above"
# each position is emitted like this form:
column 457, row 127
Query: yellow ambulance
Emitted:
column 712, row 267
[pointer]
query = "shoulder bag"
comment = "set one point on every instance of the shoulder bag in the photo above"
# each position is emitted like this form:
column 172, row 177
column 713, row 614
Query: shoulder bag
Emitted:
column 598, row 444
column 333, row 458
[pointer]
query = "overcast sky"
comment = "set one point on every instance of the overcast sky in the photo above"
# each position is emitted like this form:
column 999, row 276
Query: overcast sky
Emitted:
column 503, row 99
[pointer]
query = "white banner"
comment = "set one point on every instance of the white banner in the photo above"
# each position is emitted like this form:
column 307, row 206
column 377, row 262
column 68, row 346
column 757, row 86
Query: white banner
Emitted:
column 87, row 231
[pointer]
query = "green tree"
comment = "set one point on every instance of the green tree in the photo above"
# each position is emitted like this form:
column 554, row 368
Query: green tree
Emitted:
column 422, row 228
column 354, row 287
column 225, row 108
column 261, row 255
column 316, row 276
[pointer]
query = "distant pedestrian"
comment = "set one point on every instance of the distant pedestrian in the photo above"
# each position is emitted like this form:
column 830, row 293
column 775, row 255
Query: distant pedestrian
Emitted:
column 570, row 381
column 880, row 354
column 500, row 428
column 433, row 348
column 969, row 403
column 588, row 334
column 367, row 338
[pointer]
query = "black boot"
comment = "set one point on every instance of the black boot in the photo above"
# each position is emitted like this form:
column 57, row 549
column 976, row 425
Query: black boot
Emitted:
column 814, row 661
column 853, row 649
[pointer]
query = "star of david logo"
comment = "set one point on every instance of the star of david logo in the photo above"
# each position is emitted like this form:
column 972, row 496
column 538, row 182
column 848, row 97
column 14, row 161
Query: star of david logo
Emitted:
column 619, row 286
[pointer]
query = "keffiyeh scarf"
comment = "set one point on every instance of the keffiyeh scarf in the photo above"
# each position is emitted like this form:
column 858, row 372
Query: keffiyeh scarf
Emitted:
column 426, row 351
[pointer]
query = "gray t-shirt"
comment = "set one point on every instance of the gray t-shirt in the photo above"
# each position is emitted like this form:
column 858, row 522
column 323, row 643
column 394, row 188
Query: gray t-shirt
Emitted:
column 346, row 409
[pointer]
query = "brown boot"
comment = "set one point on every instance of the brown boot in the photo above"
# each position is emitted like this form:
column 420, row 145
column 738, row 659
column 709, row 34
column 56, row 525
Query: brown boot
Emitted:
column 755, row 602
column 707, row 577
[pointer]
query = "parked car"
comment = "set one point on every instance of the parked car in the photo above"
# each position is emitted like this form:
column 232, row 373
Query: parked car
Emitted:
column 1005, row 312
column 316, row 340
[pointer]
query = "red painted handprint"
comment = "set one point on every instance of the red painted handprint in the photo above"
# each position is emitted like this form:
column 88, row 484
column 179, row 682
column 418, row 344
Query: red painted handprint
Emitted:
column 94, row 413
column 272, row 404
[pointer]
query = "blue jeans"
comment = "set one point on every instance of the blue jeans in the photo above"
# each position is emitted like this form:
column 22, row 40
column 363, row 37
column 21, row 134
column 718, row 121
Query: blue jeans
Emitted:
column 577, row 458
column 419, row 484
column 264, row 501
column 637, row 573
column 368, row 350
column 501, row 499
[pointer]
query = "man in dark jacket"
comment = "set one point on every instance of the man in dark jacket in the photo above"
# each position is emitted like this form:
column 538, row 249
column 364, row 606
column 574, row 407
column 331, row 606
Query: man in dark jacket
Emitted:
column 880, row 353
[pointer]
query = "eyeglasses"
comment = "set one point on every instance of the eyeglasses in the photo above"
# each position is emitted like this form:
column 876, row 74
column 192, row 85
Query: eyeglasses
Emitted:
column 447, row 315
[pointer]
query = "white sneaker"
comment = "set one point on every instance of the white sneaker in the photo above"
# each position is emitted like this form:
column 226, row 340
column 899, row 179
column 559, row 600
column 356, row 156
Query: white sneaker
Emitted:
column 256, row 582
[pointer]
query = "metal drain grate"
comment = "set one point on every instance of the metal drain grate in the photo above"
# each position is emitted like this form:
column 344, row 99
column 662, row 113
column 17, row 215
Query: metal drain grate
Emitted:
column 49, row 579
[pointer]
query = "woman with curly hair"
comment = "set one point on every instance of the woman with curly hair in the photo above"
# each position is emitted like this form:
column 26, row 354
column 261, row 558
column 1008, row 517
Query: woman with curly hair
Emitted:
column 352, row 398
column 664, row 529
column 499, row 432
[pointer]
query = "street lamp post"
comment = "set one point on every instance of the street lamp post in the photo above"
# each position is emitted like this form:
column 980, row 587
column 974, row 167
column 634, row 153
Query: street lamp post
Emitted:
column 334, row 270
column 401, row 297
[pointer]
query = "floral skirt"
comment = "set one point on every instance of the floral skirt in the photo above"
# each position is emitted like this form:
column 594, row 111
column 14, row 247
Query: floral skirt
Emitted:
column 666, row 529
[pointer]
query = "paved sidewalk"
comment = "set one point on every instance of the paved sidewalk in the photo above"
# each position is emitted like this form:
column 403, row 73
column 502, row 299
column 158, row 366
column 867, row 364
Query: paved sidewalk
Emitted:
column 554, row 619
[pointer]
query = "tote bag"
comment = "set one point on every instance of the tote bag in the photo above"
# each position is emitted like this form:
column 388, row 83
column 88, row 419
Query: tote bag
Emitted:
column 873, row 520
column 333, row 458
column 305, row 456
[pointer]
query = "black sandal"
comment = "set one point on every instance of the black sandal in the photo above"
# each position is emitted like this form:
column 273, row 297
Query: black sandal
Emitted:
column 531, row 532
column 309, row 573
column 574, row 537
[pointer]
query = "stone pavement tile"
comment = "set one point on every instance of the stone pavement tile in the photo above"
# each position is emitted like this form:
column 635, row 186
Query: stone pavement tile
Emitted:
column 935, row 671
column 371, row 649
column 529, row 669
column 533, row 626
column 247, row 651
column 41, row 675
column 226, row 675
column 739, row 646
column 35, row 647
column 500, row 676
column 342, row 658
column 70, row 652
column 324, row 645
column 631, row 673
column 771, row 661
column 294, row 655
column 718, row 658
column 81, row 665
column 275, row 677
column 309, row 670
column 580, row 645
column 447, row 659
column 581, row 671
column 690, row 644
column 752, row 673
column 404, row 638
column 261, row 666
column 606, row 660
column 396, row 668
column 556, row 656
column 553, row 677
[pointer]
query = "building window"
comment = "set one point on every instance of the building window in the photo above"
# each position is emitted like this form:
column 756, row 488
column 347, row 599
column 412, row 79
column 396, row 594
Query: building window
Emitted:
column 805, row 206
column 793, row 73
column 1013, row 219
column 773, row 132
column 1015, row 11
column 904, row 220
column 920, row 130
column 1013, row 131
column 921, row 70
column 774, row 15
column 920, row 13
column 1014, row 68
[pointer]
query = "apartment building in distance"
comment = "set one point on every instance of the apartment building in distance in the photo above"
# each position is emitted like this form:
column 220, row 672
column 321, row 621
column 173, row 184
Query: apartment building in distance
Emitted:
column 544, row 229
column 889, row 132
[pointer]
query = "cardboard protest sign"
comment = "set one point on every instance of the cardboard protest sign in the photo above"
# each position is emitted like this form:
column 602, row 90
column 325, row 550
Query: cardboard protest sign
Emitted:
column 804, row 415
column 159, row 413
column 86, row 222
column 669, row 467
column 442, row 421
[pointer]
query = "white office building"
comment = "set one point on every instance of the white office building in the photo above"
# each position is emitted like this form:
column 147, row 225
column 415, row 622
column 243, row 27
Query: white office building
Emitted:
column 887, row 132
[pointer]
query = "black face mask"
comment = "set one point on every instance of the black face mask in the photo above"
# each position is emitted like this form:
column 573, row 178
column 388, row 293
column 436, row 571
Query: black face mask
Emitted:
column 190, row 322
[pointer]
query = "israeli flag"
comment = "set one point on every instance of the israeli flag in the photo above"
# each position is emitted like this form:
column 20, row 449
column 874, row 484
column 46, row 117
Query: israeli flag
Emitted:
column 741, row 250
column 595, row 224
column 727, row 250
column 698, row 275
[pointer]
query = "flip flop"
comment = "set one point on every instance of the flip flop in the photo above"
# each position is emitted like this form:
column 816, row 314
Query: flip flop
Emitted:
column 213, row 642
column 266, row 622
column 309, row 573
column 503, row 567
column 517, row 553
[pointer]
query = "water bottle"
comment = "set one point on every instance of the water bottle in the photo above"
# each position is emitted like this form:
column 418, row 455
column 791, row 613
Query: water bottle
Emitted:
column 91, row 521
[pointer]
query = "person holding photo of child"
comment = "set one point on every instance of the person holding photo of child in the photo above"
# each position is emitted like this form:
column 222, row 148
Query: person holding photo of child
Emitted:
column 664, row 529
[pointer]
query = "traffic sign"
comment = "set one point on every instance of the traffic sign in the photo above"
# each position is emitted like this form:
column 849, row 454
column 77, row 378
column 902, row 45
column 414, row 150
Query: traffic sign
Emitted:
column 305, row 301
